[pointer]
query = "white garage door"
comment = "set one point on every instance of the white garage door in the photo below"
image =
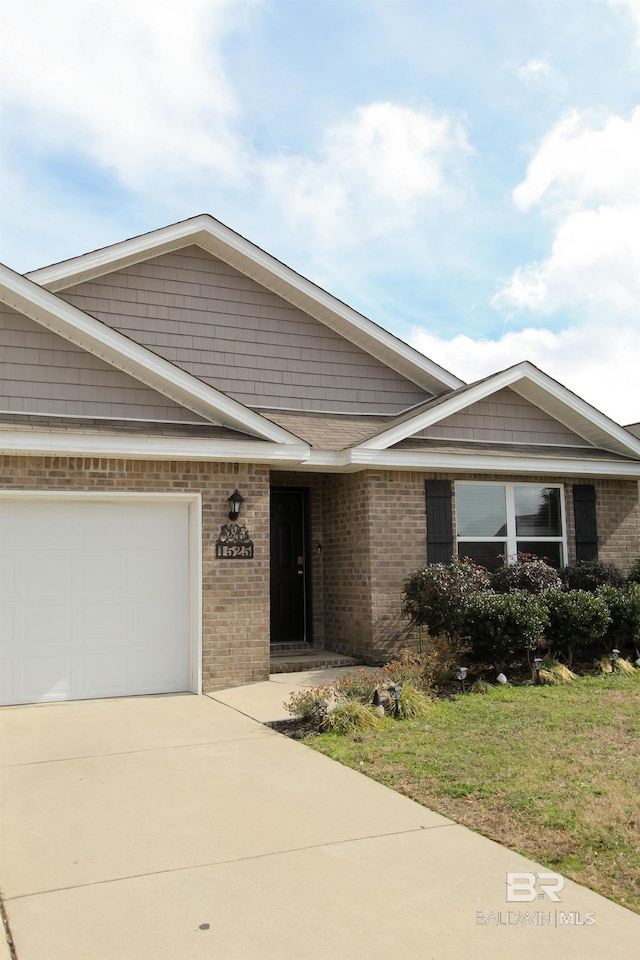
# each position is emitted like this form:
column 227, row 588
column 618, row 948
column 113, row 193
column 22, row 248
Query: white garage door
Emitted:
column 94, row 598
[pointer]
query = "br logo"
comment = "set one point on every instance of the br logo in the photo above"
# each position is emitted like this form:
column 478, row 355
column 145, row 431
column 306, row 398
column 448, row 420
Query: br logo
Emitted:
column 527, row 887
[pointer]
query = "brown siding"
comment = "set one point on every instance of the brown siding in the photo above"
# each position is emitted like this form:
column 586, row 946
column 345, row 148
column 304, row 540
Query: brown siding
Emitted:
column 229, row 331
column 235, row 594
column 505, row 417
column 41, row 372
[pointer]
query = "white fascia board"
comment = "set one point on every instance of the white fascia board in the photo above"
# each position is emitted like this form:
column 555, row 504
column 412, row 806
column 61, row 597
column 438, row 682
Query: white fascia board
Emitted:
column 42, row 443
column 575, row 413
column 440, row 411
column 252, row 261
column 133, row 359
column 487, row 463
column 534, row 385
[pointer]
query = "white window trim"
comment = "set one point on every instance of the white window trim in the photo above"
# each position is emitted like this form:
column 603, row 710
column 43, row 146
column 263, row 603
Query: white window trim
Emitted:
column 511, row 538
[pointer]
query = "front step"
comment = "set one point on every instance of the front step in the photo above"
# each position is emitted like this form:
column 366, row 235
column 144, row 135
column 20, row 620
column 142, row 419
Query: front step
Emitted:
column 298, row 658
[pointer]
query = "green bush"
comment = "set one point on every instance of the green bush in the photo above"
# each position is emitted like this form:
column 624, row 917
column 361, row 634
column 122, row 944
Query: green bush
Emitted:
column 526, row 573
column 501, row 625
column 436, row 595
column 624, row 610
column 591, row 574
column 577, row 619
column 634, row 573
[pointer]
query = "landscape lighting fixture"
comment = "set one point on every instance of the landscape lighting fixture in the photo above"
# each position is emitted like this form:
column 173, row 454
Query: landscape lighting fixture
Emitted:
column 235, row 502
column 537, row 666
column 613, row 657
column 321, row 708
column 395, row 692
column 461, row 675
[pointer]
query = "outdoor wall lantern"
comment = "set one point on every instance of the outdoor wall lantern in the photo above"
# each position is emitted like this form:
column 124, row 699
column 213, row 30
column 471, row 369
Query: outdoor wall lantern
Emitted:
column 395, row 692
column 235, row 502
column 613, row 657
column 537, row 666
column 461, row 675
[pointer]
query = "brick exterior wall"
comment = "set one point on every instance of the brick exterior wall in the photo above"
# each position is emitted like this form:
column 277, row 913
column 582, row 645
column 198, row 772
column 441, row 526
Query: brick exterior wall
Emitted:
column 235, row 594
column 372, row 527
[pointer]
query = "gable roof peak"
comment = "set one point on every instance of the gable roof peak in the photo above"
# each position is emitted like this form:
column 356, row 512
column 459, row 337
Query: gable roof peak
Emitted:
column 225, row 244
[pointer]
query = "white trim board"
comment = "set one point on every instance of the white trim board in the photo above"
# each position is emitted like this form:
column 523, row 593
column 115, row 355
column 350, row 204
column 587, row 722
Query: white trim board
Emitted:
column 533, row 385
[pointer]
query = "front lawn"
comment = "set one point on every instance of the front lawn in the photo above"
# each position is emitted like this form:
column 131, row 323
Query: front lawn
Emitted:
column 551, row 772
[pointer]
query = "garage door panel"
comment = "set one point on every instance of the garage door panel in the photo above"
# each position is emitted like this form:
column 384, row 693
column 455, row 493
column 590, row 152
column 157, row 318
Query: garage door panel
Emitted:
column 46, row 678
column 45, row 626
column 95, row 598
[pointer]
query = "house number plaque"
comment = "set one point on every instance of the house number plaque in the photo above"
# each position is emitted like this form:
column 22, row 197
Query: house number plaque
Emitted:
column 234, row 543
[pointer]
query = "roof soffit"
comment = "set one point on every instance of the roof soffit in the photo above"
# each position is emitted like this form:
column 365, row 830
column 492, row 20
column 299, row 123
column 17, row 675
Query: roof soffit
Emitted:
column 222, row 242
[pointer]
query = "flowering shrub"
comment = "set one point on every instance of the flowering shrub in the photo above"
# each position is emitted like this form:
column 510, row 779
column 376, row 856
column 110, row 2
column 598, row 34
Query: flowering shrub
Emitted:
column 623, row 605
column 305, row 703
column 436, row 595
column 577, row 619
column 528, row 573
column 500, row 625
column 591, row 574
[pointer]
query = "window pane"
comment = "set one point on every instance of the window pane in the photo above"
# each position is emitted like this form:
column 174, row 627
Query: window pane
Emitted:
column 551, row 552
column 489, row 555
column 538, row 511
column 480, row 511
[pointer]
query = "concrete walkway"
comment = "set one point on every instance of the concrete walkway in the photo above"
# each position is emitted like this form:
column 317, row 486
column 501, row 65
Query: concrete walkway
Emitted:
column 179, row 827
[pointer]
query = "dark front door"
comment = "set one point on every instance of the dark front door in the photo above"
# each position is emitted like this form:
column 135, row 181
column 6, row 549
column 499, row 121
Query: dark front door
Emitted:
column 288, row 574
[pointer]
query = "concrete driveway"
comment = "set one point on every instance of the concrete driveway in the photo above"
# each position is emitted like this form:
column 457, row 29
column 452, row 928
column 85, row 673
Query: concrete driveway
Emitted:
column 176, row 827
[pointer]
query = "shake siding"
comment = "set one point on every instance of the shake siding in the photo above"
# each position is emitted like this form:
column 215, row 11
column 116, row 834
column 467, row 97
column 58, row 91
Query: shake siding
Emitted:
column 41, row 372
column 229, row 331
column 505, row 417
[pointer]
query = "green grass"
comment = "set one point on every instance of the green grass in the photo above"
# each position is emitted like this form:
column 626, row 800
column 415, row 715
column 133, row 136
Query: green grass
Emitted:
column 551, row 772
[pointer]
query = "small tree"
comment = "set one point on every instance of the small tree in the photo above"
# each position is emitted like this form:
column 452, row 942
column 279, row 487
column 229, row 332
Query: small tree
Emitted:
column 436, row 596
column 577, row 619
column 502, row 625
column 528, row 572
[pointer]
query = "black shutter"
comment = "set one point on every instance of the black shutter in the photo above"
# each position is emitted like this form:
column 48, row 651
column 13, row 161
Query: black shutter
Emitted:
column 584, row 508
column 439, row 521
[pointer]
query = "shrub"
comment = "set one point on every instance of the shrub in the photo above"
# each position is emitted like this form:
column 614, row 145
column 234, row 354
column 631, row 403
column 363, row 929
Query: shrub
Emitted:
column 440, row 659
column 305, row 703
column 526, row 573
column 624, row 610
column 351, row 716
column 577, row 619
column 634, row 573
column 591, row 574
column 436, row 595
column 499, row 625
column 407, row 669
column 359, row 685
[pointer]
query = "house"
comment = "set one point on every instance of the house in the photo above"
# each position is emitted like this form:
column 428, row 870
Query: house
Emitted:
column 202, row 452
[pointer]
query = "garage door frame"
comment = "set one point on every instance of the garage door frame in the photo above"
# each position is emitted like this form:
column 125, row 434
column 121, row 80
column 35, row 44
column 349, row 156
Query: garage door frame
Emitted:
column 194, row 504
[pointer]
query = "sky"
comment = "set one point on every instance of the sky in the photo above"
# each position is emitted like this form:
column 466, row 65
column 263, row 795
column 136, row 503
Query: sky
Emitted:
column 466, row 173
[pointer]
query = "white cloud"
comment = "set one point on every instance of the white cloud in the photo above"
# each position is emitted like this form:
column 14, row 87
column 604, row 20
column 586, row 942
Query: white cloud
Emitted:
column 633, row 7
column 585, row 178
column 538, row 75
column 598, row 363
column 374, row 172
column 138, row 87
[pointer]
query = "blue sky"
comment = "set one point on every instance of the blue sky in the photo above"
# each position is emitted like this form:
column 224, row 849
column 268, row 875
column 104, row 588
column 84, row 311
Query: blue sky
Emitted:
column 467, row 174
